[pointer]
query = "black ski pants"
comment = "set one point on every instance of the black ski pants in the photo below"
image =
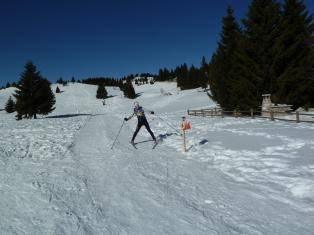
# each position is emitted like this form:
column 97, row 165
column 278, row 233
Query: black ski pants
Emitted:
column 141, row 123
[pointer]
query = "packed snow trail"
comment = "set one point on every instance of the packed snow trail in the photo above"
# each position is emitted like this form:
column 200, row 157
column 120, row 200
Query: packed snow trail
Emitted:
column 240, row 176
column 158, row 191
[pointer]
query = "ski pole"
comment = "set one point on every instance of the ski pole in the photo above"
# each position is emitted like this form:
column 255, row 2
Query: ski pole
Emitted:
column 171, row 126
column 117, row 135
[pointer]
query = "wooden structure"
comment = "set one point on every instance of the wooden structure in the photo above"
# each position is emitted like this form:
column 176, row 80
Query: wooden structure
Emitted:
column 269, row 109
column 206, row 112
column 272, row 115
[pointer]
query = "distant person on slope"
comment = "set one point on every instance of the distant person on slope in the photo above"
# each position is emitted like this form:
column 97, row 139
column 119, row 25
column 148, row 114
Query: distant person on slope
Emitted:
column 142, row 121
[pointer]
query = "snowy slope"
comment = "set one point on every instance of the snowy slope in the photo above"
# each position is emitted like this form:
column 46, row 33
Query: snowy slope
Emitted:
column 58, row 175
column 4, row 96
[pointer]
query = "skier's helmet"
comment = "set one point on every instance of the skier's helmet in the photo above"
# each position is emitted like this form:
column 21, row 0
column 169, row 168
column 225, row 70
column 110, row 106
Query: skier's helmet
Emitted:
column 136, row 104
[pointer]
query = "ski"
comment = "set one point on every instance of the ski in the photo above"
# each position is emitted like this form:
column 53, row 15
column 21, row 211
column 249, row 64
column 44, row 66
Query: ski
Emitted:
column 143, row 141
column 153, row 147
column 134, row 145
column 155, row 144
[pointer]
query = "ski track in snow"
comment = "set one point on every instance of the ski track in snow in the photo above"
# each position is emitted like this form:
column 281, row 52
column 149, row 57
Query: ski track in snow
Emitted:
column 239, row 176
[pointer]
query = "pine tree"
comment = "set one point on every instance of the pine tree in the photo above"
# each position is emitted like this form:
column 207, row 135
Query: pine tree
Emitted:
column 193, row 78
column 221, row 65
column 128, row 90
column 10, row 106
column 60, row 80
column 8, row 85
column 73, row 80
column 261, row 34
column 203, row 80
column 101, row 92
column 44, row 97
column 160, row 75
column 34, row 95
column 58, row 90
column 294, row 61
column 252, row 73
column 182, row 74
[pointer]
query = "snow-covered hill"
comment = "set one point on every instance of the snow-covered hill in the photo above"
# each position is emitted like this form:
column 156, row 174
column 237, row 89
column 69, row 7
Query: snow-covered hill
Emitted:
column 4, row 96
column 58, row 174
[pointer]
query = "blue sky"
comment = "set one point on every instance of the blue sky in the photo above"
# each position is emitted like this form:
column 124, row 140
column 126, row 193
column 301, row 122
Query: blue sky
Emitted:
column 108, row 38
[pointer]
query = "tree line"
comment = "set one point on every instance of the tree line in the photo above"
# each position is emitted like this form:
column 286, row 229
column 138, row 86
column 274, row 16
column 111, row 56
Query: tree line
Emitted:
column 8, row 85
column 273, row 53
column 186, row 77
column 125, row 85
column 107, row 81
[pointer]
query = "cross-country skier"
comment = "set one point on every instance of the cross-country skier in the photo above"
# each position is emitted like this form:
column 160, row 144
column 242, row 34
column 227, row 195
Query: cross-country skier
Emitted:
column 142, row 121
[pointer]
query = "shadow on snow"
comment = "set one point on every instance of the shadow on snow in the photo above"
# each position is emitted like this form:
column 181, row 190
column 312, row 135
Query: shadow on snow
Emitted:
column 70, row 115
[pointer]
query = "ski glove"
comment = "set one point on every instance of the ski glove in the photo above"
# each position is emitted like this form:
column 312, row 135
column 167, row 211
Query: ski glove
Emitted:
column 126, row 119
column 152, row 112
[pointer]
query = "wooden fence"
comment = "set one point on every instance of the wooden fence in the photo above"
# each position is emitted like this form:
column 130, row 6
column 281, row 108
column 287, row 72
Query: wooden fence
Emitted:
column 272, row 115
column 205, row 112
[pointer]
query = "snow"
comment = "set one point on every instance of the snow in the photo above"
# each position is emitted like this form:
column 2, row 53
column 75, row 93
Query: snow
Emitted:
column 58, row 174
column 4, row 96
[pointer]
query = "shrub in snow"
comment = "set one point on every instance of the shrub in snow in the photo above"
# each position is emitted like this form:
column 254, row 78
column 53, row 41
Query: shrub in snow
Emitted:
column 101, row 92
column 128, row 90
column 10, row 106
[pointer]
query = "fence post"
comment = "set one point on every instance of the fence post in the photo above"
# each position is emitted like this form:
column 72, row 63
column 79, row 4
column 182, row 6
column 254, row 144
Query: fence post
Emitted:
column 184, row 141
column 272, row 115
column 252, row 113
column 298, row 117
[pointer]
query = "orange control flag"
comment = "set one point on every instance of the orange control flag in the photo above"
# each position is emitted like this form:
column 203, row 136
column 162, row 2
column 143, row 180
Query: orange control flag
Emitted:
column 185, row 125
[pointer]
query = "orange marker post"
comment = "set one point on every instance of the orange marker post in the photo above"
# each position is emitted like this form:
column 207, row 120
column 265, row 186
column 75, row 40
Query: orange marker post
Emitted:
column 185, row 125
